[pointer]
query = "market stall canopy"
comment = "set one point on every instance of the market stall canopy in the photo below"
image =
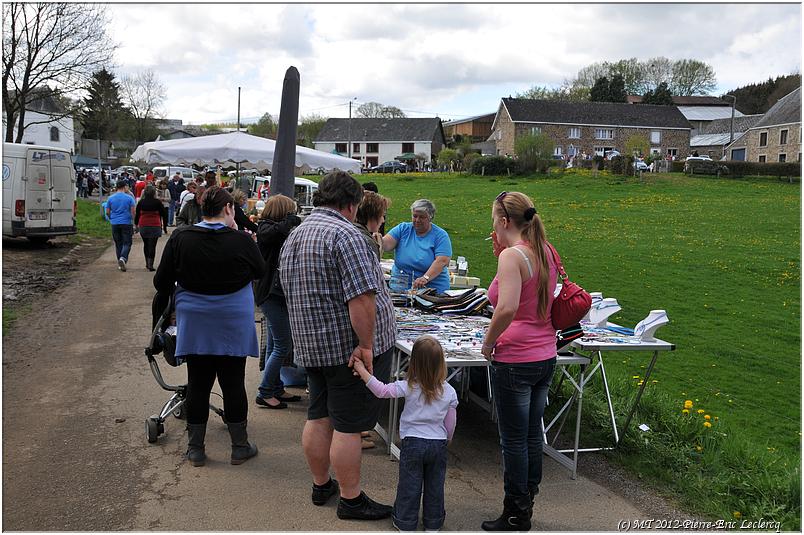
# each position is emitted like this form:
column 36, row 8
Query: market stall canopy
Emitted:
column 233, row 148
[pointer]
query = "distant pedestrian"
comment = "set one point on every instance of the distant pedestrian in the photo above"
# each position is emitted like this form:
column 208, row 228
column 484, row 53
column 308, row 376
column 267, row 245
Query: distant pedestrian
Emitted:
column 191, row 212
column 176, row 187
column 120, row 210
column 151, row 218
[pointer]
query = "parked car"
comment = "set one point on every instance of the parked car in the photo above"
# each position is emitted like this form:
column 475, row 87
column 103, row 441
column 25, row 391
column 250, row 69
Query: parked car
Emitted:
column 609, row 154
column 704, row 166
column 700, row 158
column 187, row 173
column 303, row 190
column 389, row 167
column 639, row 165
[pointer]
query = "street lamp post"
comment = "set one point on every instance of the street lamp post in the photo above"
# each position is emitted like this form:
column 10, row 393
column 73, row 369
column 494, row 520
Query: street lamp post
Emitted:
column 349, row 131
column 731, row 129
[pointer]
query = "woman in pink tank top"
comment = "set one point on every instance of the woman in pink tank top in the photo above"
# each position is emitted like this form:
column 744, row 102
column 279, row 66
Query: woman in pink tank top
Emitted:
column 521, row 344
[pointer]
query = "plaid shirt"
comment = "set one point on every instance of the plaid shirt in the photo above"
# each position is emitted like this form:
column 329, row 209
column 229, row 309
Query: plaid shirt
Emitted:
column 325, row 263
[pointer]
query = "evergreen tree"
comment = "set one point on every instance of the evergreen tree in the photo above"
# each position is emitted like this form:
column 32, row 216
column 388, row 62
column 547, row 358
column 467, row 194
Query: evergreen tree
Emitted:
column 102, row 110
column 661, row 96
column 617, row 89
column 600, row 91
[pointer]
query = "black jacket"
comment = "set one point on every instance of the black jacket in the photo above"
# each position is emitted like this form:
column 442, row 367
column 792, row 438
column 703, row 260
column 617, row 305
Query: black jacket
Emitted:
column 271, row 235
column 242, row 221
column 208, row 261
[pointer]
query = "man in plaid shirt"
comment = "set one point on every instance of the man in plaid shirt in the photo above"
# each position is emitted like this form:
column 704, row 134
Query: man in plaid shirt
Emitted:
column 340, row 310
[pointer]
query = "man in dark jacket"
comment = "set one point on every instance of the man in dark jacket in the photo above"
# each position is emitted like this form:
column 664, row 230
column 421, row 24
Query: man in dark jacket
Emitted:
column 175, row 187
column 191, row 213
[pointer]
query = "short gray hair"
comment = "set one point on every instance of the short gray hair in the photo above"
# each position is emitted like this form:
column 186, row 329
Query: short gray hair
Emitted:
column 423, row 205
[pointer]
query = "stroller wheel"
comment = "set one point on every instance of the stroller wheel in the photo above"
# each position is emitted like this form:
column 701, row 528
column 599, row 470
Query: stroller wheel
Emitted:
column 152, row 429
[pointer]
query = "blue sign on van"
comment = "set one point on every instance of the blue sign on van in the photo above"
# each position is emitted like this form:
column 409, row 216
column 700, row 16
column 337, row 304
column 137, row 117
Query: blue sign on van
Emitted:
column 6, row 172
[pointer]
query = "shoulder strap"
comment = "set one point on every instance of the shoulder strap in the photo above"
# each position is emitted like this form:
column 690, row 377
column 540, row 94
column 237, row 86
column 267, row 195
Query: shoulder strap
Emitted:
column 527, row 260
column 557, row 260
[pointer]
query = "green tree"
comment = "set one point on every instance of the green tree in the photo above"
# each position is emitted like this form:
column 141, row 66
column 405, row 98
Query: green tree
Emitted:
column 448, row 158
column 617, row 89
column 661, row 96
column 309, row 127
column 102, row 112
column 264, row 127
column 637, row 145
column 531, row 148
column 692, row 77
column 600, row 91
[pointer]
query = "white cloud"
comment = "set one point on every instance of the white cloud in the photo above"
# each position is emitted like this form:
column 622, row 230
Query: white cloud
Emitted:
column 431, row 56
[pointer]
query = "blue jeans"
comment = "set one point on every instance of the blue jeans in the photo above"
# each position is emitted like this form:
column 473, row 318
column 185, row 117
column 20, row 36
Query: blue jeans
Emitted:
column 279, row 345
column 172, row 210
column 121, row 234
column 422, row 463
column 520, row 393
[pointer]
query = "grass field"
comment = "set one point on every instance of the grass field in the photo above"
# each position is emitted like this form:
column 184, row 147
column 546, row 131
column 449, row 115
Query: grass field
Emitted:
column 721, row 256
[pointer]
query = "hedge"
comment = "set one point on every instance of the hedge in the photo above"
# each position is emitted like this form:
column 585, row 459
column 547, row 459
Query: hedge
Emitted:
column 494, row 166
column 786, row 169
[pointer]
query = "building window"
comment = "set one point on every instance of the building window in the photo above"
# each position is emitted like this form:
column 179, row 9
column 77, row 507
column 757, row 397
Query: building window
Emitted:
column 782, row 158
column 355, row 148
column 535, row 130
column 601, row 151
column 54, row 133
column 407, row 147
column 655, row 137
column 575, row 133
column 604, row 133
column 783, row 137
column 762, row 158
column 372, row 147
column 557, row 151
column 672, row 153
column 340, row 147
column 655, row 150
column 763, row 139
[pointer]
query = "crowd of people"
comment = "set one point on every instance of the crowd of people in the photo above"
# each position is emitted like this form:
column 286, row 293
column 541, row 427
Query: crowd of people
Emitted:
column 322, row 292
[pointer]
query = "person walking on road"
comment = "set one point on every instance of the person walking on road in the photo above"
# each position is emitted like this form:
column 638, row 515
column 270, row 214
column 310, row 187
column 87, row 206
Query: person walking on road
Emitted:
column 120, row 211
column 348, row 317
column 150, row 217
column 175, row 186
column 215, row 345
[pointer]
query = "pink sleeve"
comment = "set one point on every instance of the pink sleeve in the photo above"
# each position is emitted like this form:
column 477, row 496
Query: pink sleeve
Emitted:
column 382, row 390
column 449, row 422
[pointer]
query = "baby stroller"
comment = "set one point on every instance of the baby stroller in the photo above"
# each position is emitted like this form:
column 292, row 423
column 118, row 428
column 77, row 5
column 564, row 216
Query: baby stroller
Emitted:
column 163, row 340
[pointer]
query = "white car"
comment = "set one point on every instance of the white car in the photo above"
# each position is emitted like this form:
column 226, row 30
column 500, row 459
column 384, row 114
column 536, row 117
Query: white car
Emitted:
column 704, row 158
column 639, row 165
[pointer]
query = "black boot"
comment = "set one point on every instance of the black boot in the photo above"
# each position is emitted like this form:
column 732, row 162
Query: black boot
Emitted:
column 533, row 493
column 242, row 449
column 195, row 444
column 513, row 518
column 149, row 263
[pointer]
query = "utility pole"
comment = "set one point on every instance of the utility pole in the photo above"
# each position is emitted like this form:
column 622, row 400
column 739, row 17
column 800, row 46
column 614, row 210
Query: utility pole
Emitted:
column 349, row 131
column 237, row 179
column 100, row 177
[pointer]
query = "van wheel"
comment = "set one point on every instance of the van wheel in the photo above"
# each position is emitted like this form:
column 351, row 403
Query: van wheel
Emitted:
column 38, row 240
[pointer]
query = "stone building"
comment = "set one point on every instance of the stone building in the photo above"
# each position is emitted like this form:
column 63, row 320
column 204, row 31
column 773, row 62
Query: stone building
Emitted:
column 711, row 140
column 591, row 128
column 776, row 137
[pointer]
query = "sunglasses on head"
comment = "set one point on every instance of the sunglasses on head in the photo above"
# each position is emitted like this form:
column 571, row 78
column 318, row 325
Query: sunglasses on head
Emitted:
column 499, row 199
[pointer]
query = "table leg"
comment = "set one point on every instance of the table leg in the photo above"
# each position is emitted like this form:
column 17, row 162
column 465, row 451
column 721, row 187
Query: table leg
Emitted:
column 608, row 397
column 641, row 389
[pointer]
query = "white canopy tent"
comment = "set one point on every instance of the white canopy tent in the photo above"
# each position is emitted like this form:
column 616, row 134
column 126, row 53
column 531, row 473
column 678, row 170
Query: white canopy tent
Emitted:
column 234, row 148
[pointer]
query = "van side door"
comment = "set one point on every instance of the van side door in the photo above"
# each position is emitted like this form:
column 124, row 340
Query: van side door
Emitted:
column 62, row 176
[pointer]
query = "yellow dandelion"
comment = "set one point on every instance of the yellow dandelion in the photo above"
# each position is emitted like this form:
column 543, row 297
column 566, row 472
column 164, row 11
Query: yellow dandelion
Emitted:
column 688, row 404
column 707, row 417
column 698, row 448
column 684, row 411
column 701, row 411
column 737, row 514
column 707, row 424
column 635, row 377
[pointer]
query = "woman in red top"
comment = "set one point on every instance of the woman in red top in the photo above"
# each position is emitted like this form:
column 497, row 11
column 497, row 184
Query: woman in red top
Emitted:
column 521, row 344
column 151, row 218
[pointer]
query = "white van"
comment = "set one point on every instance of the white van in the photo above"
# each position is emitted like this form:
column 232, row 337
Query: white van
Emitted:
column 187, row 173
column 303, row 190
column 38, row 192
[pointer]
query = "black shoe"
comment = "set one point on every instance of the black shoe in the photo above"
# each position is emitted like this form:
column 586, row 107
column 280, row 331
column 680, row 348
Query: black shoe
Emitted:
column 262, row 403
column 367, row 510
column 289, row 398
column 321, row 496
column 513, row 518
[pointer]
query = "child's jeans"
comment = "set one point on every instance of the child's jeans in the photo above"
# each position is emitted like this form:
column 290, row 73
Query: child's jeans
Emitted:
column 422, row 463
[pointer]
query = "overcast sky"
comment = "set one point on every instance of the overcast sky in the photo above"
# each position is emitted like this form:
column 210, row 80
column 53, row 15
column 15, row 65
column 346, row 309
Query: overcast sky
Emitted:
column 452, row 60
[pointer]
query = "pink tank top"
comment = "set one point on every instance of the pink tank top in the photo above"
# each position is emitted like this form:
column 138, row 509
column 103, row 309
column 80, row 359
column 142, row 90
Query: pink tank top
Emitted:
column 528, row 338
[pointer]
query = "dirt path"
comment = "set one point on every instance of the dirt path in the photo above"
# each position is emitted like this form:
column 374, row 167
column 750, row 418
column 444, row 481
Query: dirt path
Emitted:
column 76, row 391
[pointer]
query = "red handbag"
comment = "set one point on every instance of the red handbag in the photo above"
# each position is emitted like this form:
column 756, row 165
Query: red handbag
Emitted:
column 572, row 303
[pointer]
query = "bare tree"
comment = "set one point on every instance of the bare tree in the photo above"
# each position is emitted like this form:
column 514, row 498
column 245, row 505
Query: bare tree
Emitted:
column 49, row 48
column 379, row 111
column 692, row 77
column 143, row 94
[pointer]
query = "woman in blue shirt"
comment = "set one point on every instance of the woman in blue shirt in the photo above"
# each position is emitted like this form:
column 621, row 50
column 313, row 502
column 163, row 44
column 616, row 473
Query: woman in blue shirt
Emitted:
column 422, row 250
